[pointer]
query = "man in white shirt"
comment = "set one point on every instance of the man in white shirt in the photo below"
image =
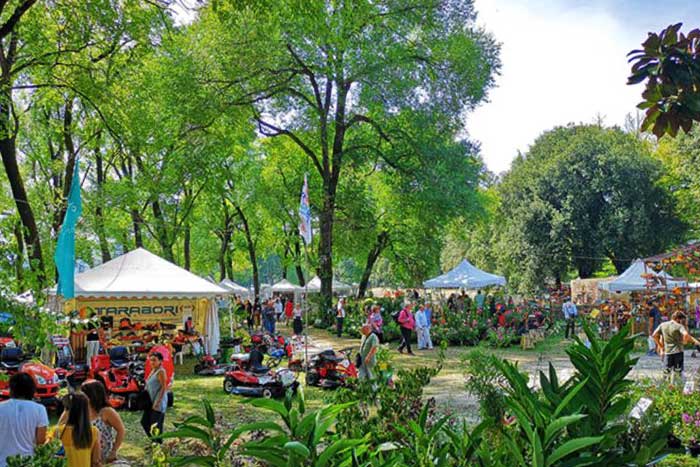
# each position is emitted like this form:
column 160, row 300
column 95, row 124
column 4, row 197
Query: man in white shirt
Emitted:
column 570, row 313
column 23, row 421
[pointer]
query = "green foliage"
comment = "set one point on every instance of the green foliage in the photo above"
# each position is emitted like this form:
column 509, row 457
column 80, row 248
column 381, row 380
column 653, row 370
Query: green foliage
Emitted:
column 669, row 62
column 32, row 325
column 44, row 456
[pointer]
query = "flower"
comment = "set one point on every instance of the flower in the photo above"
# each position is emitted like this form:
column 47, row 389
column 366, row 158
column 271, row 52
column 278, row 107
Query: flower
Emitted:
column 686, row 418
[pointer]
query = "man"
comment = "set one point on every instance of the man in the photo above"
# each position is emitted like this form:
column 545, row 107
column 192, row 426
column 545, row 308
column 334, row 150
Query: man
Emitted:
column 429, row 319
column 421, row 325
column 479, row 299
column 670, row 338
column 23, row 421
column 340, row 316
column 92, row 340
column 570, row 313
column 368, row 350
column 269, row 316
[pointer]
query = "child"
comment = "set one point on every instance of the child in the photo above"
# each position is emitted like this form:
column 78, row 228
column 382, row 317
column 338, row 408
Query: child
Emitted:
column 80, row 438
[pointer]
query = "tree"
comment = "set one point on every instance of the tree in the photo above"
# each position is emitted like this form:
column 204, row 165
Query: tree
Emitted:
column 582, row 194
column 331, row 76
column 669, row 62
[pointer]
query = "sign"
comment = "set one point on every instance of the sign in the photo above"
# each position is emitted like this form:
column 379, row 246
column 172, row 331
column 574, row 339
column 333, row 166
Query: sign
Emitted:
column 142, row 311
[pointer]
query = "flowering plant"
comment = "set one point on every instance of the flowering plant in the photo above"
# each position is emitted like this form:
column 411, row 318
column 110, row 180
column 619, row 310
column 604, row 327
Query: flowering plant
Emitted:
column 688, row 429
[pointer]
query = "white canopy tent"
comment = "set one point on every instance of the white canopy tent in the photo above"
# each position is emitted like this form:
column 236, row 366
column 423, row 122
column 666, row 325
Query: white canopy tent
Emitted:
column 631, row 280
column 314, row 286
column 234, row 288
column 284, row 286
column 465, row 276
column 139, row 274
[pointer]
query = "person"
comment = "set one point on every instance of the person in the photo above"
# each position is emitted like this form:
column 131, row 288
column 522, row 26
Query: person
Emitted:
column 479, row 300
column 368, row 351
column 407, row 324
column 105, row 419
column 257, row 313
column 81, row 440
column 570, row 313
column 492, row 306
column 298, row 325
column 654, row 322
column 249, row 315
column 340, row 316
column 421, row 325
column 92, row 340
column 670, row 338
column 269, row 315
column 23, row 421
column 697, row 313
column 279, row 309
column 377, row 323
column 156, row 385
column 429, row 320
column 289, row 311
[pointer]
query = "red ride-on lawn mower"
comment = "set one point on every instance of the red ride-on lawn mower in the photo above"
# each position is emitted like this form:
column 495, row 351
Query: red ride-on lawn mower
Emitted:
column 122, row 376
column 248, row 377
column 331, row 370
column 13, row 360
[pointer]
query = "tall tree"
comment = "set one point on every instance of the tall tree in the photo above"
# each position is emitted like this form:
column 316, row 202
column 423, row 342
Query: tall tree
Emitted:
column 331, row 76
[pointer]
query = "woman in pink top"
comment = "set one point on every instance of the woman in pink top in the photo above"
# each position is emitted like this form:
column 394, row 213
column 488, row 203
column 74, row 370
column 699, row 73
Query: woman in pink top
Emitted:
column 407, row 324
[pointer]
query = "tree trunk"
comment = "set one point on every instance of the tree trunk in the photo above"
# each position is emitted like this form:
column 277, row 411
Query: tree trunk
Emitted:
column 136, row 221
column 30, row 230
column 99, row 215
column 19, row 260
column 379, row 245
column 186, row 247
column 162, row 234
column 325, row 250
column 251, row 251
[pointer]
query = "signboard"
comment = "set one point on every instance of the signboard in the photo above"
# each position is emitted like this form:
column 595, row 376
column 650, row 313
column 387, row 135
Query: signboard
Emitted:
column 142, row 311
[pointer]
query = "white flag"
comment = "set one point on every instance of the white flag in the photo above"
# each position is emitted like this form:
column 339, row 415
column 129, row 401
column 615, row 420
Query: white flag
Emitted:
column 305, row 214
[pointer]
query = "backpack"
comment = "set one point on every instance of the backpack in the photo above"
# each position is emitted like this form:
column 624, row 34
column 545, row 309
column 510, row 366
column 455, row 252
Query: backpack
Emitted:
column 395, row 315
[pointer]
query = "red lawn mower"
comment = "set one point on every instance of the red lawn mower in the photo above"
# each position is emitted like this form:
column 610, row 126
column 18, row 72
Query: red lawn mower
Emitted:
column 69, row 372
column 248, row 377
column 13, row 360
column 124, row 375
column 331, row 370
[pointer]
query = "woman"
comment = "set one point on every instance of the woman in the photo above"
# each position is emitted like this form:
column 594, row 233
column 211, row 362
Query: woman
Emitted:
column 298, row 323
column 407, row 323
column 289, row 311
column 105, row 419
column 377, row 323
column 80, row 439
column 156, row 386
column 249, row 314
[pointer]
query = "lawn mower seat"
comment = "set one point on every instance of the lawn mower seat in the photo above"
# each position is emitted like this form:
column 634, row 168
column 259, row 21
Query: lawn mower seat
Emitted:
column 119, row 356
column 330, row 356
column 260, row 370
column 11, row 358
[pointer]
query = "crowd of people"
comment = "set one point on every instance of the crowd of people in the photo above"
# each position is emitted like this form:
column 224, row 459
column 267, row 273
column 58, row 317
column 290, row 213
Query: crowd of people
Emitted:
column 267, row 314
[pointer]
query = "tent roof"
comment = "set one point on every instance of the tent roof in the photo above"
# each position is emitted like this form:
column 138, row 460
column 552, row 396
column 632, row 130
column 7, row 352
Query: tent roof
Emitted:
column 141, row 274
column 464, row 276
column 285, row 286
column 233, row 287
column 631, row 280
column 314, row 285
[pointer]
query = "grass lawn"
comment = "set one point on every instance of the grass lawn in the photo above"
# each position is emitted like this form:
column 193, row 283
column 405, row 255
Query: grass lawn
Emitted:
column 190, row 390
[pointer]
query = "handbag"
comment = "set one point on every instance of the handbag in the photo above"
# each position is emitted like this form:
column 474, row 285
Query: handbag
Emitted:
column 358, row 360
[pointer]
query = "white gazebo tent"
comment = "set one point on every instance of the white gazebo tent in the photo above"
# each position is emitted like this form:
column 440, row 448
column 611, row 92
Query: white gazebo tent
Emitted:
column 632, row 281
column 314, row 286
column 465, row 276
column 234, row 288
column 284, row 286
column 142, row 284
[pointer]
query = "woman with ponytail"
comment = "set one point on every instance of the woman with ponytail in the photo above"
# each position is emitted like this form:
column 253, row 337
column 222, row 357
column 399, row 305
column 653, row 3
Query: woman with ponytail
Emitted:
column 80, row 438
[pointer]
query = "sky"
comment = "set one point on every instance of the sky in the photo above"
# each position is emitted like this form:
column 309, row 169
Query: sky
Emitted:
column 563, row 61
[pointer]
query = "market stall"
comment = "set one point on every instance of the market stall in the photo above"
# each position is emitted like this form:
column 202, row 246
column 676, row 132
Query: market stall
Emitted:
column 314, row 286
column 465, row 276
column 235, row 289
column 638, row 277
column 142, row 298
column 284, row 287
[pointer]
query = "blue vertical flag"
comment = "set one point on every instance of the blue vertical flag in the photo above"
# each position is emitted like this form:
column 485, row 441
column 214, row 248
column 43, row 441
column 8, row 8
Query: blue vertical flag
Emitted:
column 65, row 247
column 305, row 214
